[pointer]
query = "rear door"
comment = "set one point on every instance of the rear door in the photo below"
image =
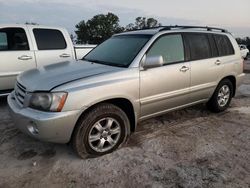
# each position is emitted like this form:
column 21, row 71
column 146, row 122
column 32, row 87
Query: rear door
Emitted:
column 226, row 52
column 206, row 66
column 51, row 46
column 16, row 55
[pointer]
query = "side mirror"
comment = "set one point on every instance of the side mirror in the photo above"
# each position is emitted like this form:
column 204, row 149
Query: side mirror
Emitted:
column 152, row 61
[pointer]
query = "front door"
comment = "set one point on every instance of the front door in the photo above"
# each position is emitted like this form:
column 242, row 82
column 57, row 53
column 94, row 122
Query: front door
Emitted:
column 167, row 87
column 16, row 55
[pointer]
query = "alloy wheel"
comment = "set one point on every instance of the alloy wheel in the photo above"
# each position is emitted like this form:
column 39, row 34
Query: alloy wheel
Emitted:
column 104, row 134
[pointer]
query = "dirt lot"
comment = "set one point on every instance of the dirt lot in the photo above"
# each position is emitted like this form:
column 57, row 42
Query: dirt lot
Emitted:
column 187, row 148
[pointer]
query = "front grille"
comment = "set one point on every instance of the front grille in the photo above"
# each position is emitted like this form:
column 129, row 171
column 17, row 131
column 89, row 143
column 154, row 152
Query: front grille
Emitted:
column 20, row 92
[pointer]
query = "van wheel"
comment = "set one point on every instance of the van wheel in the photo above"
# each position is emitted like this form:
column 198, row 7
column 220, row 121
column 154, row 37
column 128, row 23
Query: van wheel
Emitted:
column 221, row 97
column 100, row 131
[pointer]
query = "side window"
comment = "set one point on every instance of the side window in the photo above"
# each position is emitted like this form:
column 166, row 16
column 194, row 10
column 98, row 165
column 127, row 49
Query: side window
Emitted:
column 49, row 39
column 214, row 50
column 13, row 39
column 3, row 41
column 224, row 45
column 170, row 47
column 199, row 46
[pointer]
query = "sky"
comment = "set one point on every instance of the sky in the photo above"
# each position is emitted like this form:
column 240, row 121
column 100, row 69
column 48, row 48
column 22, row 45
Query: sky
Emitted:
column 233, row 15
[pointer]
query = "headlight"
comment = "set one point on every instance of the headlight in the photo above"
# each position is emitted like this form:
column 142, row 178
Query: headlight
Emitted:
column 53, row 102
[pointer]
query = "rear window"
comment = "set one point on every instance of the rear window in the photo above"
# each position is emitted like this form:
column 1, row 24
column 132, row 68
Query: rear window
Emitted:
column 224, row 45
column 49, row 39
column 214, row 51
column 199, row 46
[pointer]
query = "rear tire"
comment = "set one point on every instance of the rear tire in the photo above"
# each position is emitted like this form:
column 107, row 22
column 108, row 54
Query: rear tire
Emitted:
column 222, row 97
column 100, row 131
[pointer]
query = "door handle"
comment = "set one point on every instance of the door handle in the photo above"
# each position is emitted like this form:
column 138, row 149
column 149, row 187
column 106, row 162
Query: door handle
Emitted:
column 217, row 62
column 64, row 55
column 24, row 57
column 184, row 69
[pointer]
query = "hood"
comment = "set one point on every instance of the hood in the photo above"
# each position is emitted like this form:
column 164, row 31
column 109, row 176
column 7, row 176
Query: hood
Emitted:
column 51, row 76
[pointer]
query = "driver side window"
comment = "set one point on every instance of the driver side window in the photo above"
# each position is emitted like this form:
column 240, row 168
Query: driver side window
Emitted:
column 170, row 47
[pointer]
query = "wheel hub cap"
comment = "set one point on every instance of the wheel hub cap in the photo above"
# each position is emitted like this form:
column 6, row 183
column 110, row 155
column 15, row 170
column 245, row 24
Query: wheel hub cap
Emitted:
column 105, row 134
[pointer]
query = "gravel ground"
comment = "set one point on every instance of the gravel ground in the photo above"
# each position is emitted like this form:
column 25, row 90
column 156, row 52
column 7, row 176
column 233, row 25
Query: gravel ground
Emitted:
column 186, row 148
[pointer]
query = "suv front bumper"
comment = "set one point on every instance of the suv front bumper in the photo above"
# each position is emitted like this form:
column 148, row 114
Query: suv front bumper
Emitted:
column 54, row 127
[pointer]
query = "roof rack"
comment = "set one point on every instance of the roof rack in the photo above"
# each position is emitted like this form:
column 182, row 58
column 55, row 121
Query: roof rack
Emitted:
column 193, row 27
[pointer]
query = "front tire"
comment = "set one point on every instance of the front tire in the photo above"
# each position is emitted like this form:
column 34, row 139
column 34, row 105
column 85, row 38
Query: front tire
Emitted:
column 222, row 97
column 100, row 131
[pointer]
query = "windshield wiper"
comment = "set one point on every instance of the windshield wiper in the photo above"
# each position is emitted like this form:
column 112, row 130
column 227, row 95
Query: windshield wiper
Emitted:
column 93, row 61
column 103, row 62
column 83, row 59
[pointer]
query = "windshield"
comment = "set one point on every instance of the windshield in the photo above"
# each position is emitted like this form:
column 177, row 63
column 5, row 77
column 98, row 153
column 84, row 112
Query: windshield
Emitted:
column 118, row 51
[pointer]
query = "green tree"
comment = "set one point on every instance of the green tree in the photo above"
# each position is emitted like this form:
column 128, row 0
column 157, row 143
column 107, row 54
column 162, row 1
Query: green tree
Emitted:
column 98, row 29
column 73, row 38
column 143, row 23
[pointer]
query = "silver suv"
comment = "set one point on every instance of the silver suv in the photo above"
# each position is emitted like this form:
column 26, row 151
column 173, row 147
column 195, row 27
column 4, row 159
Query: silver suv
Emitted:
column 96, row 104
